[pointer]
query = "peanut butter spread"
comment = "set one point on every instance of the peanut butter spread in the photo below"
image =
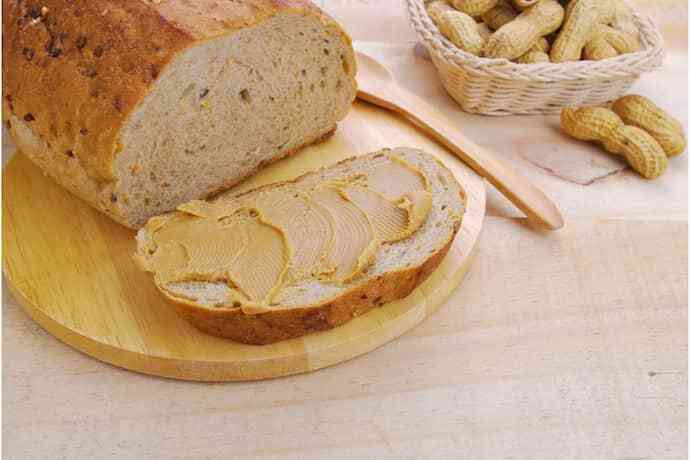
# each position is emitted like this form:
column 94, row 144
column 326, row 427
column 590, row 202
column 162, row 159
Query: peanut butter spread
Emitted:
column 262, row 241
column 395, row 178
column 354, row 244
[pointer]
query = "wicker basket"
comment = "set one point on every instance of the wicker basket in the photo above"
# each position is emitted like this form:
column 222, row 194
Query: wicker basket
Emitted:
column 501, row 87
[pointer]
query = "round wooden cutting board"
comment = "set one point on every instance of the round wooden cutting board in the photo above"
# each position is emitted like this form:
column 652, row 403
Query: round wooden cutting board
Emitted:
column 72, row 270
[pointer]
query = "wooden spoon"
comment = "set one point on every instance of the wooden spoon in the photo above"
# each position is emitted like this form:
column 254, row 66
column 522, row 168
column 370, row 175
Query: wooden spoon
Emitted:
column 377, row 86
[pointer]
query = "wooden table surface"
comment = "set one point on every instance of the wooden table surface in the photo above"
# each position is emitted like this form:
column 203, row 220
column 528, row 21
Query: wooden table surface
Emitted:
column 571, row 345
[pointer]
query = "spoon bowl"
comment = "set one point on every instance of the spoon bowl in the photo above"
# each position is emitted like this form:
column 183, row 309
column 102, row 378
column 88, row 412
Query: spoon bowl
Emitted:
column 371, row 74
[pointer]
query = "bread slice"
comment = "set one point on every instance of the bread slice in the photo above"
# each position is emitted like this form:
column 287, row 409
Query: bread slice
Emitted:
column 142, row 105
column 314, row 304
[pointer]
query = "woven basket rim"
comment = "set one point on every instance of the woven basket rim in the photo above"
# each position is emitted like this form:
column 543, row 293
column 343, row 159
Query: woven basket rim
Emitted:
column 645, row 60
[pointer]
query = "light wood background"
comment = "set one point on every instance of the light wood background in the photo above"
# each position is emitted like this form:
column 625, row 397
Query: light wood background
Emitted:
column 570, row 345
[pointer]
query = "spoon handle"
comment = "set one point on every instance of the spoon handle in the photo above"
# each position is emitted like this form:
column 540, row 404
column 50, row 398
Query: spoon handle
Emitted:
column 513, row 185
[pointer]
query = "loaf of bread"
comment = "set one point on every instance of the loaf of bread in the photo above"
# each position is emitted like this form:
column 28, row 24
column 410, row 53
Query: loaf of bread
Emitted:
column 307, row 255
column 137, row 106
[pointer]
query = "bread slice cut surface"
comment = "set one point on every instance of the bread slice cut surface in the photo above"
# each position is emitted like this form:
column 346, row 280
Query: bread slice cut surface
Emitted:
column 296, row 257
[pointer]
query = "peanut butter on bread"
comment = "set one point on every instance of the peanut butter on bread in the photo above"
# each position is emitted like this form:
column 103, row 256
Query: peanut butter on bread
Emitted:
column 259, row 243
column 247, row 252
column 391, row 221
column 291, row 258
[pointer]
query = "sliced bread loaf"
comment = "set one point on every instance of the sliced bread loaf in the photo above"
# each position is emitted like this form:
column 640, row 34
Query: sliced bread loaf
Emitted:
column 137, row 106
column 307, row 255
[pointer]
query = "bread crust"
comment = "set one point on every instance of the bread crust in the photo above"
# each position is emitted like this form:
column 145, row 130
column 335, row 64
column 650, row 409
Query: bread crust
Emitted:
column 75, row 70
